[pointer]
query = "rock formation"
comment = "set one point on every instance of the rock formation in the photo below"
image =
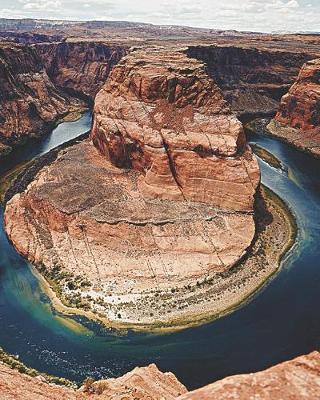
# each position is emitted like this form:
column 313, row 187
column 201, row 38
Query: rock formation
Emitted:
column 159, row 113
column 298, row 119
column 166, row 205
column 298, row 379
column 146, row 383
column 43, row 83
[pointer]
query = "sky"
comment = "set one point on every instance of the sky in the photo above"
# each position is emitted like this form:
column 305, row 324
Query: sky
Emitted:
column 249, row 15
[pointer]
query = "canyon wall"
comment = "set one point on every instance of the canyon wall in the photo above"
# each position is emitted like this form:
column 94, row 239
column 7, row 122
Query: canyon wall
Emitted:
column 29, row 100
column 298, row 118
column 43, row 83
column 80, row 68
column 253, row 80
column 298, row 379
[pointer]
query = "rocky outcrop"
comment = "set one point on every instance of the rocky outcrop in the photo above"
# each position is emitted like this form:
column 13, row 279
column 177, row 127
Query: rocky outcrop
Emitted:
column 159, row 113
column 298, row 379
column 80, row 68
column 253, row 79
column 30, row 103
column 146, row 383
column 298, row 118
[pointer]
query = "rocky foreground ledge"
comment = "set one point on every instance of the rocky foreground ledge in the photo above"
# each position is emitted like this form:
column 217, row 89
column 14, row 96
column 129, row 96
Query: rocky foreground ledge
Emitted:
column 298, row 379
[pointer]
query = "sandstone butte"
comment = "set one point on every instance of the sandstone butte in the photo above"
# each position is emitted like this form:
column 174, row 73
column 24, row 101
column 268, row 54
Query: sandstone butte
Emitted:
column 298, row 118
column 298, row 379
column 162, row 201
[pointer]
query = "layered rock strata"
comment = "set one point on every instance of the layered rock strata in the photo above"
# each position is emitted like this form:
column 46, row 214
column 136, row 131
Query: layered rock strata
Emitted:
column 41, row 84
column 298, row 379
column 167, row 204
column 298, row 118
column 159, row 113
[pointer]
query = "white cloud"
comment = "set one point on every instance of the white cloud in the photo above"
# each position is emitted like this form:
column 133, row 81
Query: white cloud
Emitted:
column 259, row 15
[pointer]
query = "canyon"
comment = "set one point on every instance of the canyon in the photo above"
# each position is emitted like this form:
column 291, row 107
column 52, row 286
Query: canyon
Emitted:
column 158, row 217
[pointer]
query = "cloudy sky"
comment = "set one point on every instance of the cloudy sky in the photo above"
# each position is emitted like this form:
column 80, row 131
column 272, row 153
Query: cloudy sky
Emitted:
column 259, row 15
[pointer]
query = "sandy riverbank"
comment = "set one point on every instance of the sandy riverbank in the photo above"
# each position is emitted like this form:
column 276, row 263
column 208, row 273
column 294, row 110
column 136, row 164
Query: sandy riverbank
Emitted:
column 210, row 299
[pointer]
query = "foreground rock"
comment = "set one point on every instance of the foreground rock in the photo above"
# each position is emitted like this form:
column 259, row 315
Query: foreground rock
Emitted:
column 298, row 379
column 146, row 383
column 298, row 119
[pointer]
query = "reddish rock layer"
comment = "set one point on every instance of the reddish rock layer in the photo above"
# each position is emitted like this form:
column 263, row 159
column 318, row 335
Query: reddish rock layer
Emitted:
column 252, row 79
column 298, row 379
column 161, row 114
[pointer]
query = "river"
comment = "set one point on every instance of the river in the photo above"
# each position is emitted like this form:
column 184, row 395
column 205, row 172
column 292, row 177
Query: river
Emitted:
column 282, row 321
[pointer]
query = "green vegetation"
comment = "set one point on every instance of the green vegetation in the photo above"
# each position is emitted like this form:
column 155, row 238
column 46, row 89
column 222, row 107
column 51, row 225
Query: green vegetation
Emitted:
column 14, row 363
column 266, row 156
column 8, row 178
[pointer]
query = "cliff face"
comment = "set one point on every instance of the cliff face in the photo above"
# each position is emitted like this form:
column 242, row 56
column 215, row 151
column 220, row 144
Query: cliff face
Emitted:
column 252, row 79
column 160, row 113
column 29, row 100
column 80, row 67
column 298, row 379
column 298, row 118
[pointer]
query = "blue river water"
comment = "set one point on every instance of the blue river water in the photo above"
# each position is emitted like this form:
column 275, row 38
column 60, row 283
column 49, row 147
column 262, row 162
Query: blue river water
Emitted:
column 282, row 321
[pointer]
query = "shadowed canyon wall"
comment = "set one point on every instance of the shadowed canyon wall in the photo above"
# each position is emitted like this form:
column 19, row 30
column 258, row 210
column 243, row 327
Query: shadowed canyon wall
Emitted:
column 253, row 80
